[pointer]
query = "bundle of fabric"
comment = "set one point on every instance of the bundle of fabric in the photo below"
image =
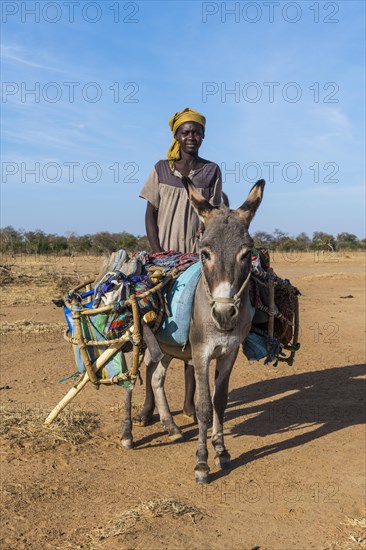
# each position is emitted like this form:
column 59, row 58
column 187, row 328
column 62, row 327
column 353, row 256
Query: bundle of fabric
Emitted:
column 93, row 329
column 259, row 344
column 115, row 289
column 125, row 275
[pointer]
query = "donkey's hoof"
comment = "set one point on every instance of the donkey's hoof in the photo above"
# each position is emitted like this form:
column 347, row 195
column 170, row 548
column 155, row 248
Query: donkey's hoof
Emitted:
column 223, row 461
column 178, row 436
column 127, row 443
column 189, row 411
column 191, row 417
column 201, row 472
column 142, row 420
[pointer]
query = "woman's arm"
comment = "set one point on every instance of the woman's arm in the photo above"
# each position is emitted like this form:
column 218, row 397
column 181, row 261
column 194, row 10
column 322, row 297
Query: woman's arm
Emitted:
column 151, row 224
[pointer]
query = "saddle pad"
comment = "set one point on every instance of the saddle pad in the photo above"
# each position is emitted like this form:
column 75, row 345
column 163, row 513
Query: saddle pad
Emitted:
column 255, row 345
column 174, row 329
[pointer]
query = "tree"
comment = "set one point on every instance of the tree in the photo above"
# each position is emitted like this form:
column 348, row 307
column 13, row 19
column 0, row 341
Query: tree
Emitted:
column 347, row 240
column 37, row 242
column 85, row 243
column 303, row 242
column 323, row 241
column 143, row 243
column 288, row 244
column 104, row 242
column 262, row 238
column 13, row 241
column 10, row 240
column 279, row 236
column 127, row 241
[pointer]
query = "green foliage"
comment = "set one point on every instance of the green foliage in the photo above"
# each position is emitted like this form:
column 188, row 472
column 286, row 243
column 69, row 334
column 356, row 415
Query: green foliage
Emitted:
column 14, row 241
column 347, row 241
column 323, row 241
column 262, row 238
column 303, row 242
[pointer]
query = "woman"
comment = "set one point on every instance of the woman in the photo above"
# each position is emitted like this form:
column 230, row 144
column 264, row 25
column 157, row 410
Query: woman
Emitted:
column 171, row 222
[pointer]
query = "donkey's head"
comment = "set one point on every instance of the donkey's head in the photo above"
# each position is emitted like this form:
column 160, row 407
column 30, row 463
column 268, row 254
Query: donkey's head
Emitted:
column 225, row 252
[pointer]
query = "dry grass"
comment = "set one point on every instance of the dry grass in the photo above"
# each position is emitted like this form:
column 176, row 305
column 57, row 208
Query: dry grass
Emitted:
column 333, row 276
column 145, row 511
column 6, row 275
column 38, row 280
column 354, row 538
column 25, row 326
column 19, row 275
column 23, row 427
column 357, row 536
column 27, row 295
column 24, row 289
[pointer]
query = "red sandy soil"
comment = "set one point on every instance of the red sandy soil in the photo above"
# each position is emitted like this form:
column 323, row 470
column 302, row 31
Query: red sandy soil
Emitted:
column 295, row 434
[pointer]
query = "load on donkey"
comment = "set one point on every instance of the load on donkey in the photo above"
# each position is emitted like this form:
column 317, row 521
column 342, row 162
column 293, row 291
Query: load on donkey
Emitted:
column 231, row 296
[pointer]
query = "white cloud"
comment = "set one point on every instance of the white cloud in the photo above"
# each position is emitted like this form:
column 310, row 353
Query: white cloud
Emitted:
column 10, row 53
column 334, row 117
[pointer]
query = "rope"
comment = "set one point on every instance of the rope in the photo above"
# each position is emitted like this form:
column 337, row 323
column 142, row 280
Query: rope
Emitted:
column 74, row 375
column 277, row 281
column 235, row 300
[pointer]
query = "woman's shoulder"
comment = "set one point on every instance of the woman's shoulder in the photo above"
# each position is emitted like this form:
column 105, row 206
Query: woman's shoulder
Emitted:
column 164, row 173
column 209, row 164
column 210, row 167
column 161, row 163
column 206, row 161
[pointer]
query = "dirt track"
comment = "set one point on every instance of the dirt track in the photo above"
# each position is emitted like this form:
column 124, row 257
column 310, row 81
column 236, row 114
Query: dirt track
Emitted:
column 295, row 434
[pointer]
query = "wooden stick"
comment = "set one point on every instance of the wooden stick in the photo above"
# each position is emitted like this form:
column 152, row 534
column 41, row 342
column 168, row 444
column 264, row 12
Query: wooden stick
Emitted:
column 105, row 309
column 65, row 400
column 136, row 335
column 81, row 285
column 82, row 347
column 91, row 369
column 271, row 304
column 98, row 364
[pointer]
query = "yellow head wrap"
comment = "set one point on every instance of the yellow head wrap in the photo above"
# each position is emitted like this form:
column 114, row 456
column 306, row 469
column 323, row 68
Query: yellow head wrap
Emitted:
column 187, row 115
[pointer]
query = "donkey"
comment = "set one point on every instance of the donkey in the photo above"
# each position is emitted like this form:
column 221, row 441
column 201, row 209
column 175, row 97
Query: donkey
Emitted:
column 220, row 323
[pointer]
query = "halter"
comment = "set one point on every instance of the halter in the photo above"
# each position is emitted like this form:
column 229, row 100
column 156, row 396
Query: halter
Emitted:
column 235, row 300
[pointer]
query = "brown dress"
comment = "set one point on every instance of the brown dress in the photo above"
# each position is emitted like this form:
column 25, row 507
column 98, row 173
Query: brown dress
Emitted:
column 177, row 220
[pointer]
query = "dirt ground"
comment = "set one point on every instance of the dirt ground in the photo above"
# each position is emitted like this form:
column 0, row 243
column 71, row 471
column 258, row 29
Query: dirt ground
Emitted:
column 295, row 434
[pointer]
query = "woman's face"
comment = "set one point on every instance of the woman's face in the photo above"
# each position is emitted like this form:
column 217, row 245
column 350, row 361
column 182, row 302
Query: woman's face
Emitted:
column 190, row 136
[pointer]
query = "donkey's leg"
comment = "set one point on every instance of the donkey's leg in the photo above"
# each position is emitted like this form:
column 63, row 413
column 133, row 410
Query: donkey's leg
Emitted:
column 166, row 419
column 145, row 416
column 126, row 435
column 204, row 414
column 224, row 366
column 190, row 387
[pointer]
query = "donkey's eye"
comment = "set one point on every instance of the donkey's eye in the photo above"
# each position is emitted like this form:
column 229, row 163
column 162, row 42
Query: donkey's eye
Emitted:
column 205, row 255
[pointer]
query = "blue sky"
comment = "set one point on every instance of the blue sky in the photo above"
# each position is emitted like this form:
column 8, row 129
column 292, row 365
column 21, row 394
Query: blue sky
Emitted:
column 280, row 83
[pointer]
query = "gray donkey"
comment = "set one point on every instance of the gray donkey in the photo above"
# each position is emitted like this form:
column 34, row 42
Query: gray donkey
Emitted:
column 220, row 322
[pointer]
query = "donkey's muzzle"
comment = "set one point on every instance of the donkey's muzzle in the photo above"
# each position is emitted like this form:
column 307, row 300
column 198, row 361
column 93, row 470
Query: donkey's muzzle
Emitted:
column 224, row 315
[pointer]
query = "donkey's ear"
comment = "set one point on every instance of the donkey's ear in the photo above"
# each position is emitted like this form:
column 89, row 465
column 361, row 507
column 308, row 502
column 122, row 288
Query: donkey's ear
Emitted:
column 200, row 204
column 248, row 209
